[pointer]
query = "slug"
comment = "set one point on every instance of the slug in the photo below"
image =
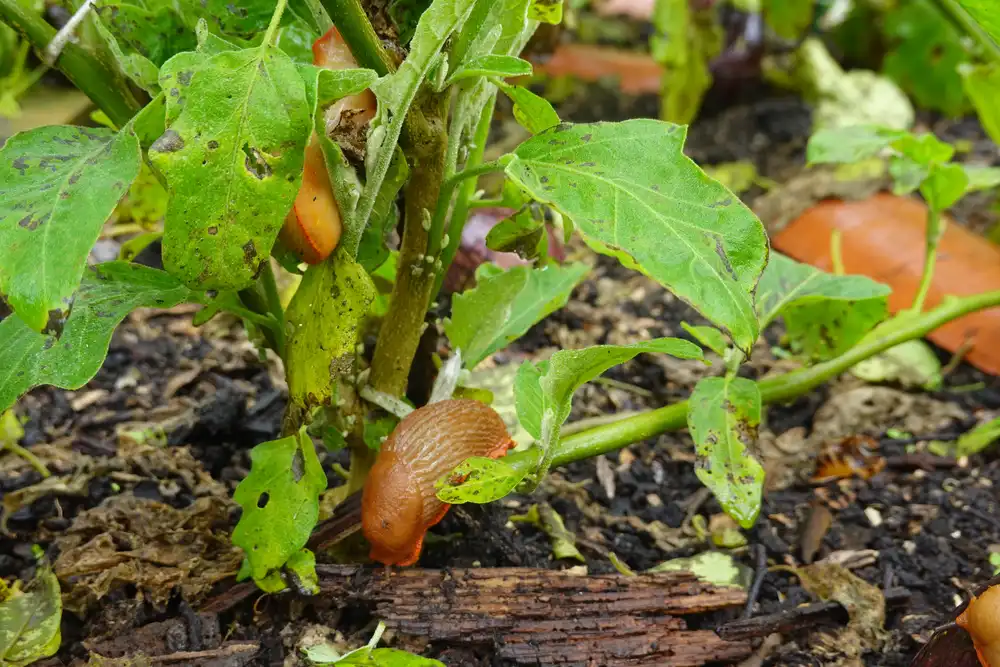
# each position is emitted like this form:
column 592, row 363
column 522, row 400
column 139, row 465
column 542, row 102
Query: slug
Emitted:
column 982, row 621
column 398, row 503
column 312, row 228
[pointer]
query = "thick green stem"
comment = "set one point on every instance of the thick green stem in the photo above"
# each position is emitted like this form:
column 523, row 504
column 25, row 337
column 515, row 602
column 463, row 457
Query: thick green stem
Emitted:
column 359, row 35
column 930, row 259
column 274, row 307
column 607, row 438
column 411, row 294
column 105, row 86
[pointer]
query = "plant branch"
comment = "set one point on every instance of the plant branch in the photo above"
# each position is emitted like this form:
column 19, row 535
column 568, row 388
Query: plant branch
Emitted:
column 444, row 201
column 930, row 259
column 609, row 437
column 105, row 86
column 359, row 35
column 272, row 28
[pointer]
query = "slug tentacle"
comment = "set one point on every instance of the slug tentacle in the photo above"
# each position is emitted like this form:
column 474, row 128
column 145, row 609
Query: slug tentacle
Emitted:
column 399, row 502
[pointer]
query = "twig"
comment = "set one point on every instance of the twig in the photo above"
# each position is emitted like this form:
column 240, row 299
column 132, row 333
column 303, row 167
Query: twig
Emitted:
column 758, row 581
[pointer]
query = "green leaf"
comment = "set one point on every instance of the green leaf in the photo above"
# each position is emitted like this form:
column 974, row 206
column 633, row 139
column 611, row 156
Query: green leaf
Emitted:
column 280, row 501
column 981, row 178
column 374, row 248
column 58, row 186
column 523, row 233
column 232, row 157
column 479, row 480
column 544, row 394
column 944, row 186
column 137, row 67
column 107, row 294
column 709, row 337
column 907, row 175
column 386, row 657
column 301, row 567
column 788, row 18
column 296, row 38
column 685, row 40
column 979, row 438
column 825, row 314
column 723, row 420
column 532, row 112
column 546, row 11
column 850, row 144
column 324, row 318
column 924, row 149
column 926, row 50
column 912, row 364
column 436, row 24
column 551, row 523
column 480, row 35
column 713, row 567
column 501, row 66
column 504, row 305
column 243, row 19
column 633, row 194
column 986, row 15
column 405, row 14
column 30, row 621
column 155, row 32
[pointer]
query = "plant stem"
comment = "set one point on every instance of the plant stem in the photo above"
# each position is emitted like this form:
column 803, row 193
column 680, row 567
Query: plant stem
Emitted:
column 250, row 316
column 485, row 203
column 359, row 35
column 98, row 80
column 274, row 307
column 930, row 259
column 26, row 454
column 444, row 201
column 971, row 27
column 609, row 437
column 272, row 28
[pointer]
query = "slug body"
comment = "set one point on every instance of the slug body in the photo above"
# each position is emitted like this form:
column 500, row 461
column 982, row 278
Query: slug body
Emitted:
column 982, row 621
column 313, row 227
column 399, row 502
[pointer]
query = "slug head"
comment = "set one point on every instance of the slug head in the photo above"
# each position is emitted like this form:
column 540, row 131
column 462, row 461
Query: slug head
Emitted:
column 392, row 512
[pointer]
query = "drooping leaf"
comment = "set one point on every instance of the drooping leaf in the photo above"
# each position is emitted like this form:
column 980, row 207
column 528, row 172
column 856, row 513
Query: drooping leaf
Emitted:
column 137, row 67
column 324, row 318
column 544, row 393
column 504, row 305
column 789, row 19
column 532, row 112
column 546, row 11
column 280, row 501
column 926, row 50
column 501, row 66
column 545, row 518
column 850, row 144
column 723, row 420
column 232, row 156
column 107, row 294
column 58, row 186
column 30, row 621
column 824, row 314
column 633, row 194
column 479, row 480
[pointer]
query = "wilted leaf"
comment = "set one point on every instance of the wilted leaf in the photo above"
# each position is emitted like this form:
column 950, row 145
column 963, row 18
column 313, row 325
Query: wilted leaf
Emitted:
column 107, row 294
column 824, row 314
column 633, row 194
column 501, row 66
column 723, row 420
column 58, row 185
column 548, row 520
column 504, row 305
column 479, row 480
column 29, row 621
column 864, row 602
column 232, row 156
column 280, row 501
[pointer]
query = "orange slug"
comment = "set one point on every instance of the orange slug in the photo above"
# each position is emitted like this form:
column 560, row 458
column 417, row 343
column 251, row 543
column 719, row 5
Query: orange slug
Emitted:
column 982, row 621
column 312, row 228
column 398, row 503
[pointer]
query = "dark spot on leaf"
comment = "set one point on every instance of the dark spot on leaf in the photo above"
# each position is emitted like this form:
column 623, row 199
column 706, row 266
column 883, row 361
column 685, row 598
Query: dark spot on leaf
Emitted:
column 20, row 164
column 211, row 294
column 184, row 77
column 213, row 144
column 298, row 466
column 263, row 499
column 587, row 137
column 545, row 179
column 722, row 203
column 213, row 230
column 249, row 253
column 57, row 320
column 64, row 194
column 174, row 92
column 168, row 142
column 32, row 223
column 74, row 177
column 588, row 164
column 49, row 342
column 721, row 252
column 255, row 162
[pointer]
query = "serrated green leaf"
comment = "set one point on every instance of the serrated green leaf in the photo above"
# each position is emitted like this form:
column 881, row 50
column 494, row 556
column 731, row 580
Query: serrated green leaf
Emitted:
column 232, row 157
column 944, row 186
column 633, row 194
column 926, row 50
column 503, row 306
column 546, row 11
column 789, row 19
column 723, row 419
column 709, row 337
column 532, row 112
column 824, row 314
column 280, row 501
column 30, row 621
column 501, row 66
column 850, row 144
column 479, row 480
column 108, row 292
column 58, row 186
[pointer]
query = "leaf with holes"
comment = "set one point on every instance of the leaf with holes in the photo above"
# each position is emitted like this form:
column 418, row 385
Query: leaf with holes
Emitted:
column 505, row 304
column 634, row 195
column 30, row 621
column 280, row 501
column 825, row 315
column 479, row 480
column 232, row 156
column 107, row 294
column 723, row 420
column 58, row 186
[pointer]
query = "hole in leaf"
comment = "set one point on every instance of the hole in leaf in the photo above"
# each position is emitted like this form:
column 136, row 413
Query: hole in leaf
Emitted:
column 263, row 499
column 255, row 162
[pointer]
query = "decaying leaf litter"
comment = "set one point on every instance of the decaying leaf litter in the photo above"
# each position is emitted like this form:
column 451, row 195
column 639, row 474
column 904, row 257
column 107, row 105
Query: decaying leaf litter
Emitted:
column 924, row 524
